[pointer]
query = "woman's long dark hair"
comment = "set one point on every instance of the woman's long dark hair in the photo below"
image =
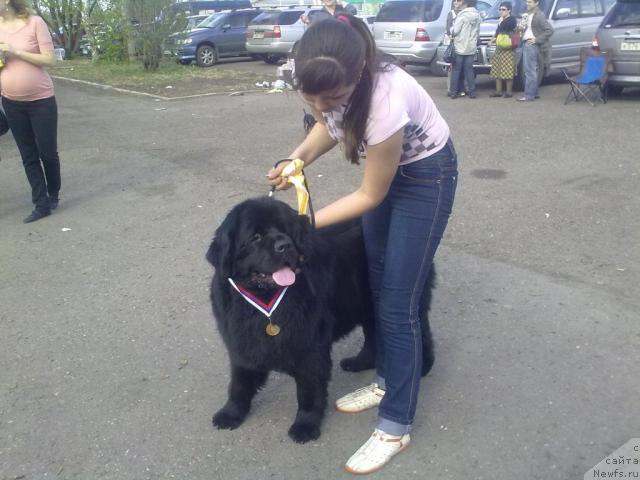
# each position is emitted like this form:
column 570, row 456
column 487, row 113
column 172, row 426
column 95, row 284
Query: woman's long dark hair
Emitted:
column 338, row 53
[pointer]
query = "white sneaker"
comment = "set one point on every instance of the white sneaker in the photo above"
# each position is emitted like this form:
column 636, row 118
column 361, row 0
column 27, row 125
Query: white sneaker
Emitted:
column 360, row 400
column 376, row 452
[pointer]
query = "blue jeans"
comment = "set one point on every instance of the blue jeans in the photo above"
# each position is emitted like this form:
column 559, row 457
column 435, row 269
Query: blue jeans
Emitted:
column 34, row 125
column 401, row 237
column 463, row 72
column 530, row 63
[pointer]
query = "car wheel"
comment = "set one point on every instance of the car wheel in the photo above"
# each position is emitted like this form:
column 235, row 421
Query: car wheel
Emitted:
column 439, row 70
column 271, row 58
column 614, row 90
column 206, row 55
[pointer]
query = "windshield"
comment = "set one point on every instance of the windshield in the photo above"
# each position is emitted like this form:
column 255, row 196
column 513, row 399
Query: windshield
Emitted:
column 623, row 14
column 212, row 21
column 519, row 7
column 410, row 11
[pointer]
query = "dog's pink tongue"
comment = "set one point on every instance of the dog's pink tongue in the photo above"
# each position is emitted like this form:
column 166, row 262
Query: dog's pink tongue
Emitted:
column 284, row 277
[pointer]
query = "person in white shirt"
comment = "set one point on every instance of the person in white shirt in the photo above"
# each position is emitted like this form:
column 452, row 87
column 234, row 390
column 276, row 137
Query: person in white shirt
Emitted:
column 379, row 113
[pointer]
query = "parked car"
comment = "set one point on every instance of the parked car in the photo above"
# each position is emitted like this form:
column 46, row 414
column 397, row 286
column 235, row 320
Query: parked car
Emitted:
column 412, row 30
column 219, row 35
column 368, row 19
column 574, row 23
column 273, row 34
column 619, row 33
column 207, row 7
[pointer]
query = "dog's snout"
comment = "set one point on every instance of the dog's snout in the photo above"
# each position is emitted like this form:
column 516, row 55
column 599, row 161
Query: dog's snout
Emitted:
column 282, row 244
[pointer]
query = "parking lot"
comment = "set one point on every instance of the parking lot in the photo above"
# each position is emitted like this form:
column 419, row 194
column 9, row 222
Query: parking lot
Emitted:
column 111, row 363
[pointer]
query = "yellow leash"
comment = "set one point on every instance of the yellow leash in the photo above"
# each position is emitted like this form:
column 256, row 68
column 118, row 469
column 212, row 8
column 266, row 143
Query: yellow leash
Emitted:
column 294, row 174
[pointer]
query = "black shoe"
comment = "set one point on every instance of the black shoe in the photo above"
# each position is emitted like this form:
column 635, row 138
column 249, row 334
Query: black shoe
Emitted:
column 472, row 96
column 496, row 94
column 37, row 215
column 53, row 202
column 454, row 96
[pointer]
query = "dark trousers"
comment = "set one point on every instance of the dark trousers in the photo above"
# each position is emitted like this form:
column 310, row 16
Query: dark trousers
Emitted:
column 34, row 126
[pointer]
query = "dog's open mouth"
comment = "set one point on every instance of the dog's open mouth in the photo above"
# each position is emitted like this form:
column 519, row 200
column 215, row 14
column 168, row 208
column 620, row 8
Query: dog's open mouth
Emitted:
column 283, row 277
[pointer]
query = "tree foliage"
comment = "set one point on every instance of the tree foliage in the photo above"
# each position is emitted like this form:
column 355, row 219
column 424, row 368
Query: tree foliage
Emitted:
column 155, row 21
column 66, row 19
column 111, row 26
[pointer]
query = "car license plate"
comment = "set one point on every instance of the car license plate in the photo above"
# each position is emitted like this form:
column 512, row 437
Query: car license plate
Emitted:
column 630, row 46
column 392, row 35
column 258, row 35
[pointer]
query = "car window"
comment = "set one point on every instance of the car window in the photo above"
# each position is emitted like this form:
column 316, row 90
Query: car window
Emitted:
column 566, row 9
column 278, row 17
column 214, row 20
column 623, row 14
column 410, row 11
column 590, row 8
column 289, row 17
column 519, row 6
column 266, row 18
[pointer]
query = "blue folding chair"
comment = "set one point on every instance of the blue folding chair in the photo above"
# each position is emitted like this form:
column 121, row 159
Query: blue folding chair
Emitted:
column 591, row 83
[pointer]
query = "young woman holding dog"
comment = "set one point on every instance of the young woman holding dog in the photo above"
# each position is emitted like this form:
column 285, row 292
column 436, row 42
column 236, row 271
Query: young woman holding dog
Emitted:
column 29, row 102
column 378, row 112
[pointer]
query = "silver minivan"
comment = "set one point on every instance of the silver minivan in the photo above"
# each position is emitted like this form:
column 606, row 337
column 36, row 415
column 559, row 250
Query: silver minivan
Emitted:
column 274, row 33
column 574, row 25
column 411, row 30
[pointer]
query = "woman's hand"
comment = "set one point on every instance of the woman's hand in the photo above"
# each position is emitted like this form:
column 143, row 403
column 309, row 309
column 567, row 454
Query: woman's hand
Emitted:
column 275, row 178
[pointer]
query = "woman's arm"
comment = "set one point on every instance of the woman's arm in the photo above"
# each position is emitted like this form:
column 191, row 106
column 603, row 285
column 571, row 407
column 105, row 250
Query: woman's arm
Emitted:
column 317, row 143
column 380, row 168
column 46, row 59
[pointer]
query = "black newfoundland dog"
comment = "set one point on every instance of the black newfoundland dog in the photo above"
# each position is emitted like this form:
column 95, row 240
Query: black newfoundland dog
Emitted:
column 282, row 294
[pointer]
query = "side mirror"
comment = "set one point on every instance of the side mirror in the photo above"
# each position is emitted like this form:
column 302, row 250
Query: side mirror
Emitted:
column 563, row 13
column 226, row 27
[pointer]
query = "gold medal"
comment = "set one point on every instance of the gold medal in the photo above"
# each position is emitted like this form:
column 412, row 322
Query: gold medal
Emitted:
column 272, row 329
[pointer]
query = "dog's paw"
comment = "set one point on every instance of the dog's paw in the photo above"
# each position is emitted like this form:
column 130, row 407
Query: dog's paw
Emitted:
column 303, row 432
column 356, row 364
column 225, row 419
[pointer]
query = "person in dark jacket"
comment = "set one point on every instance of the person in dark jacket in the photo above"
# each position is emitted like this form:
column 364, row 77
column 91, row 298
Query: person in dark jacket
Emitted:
column 503, row 64
column 330, row 8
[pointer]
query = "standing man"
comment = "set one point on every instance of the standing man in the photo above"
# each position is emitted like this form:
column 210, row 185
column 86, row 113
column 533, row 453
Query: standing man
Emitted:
column 536, row 32
column 466, row 30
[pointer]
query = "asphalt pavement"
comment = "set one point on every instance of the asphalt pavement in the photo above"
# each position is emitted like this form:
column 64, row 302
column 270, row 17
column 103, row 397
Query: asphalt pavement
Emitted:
column 110, row 363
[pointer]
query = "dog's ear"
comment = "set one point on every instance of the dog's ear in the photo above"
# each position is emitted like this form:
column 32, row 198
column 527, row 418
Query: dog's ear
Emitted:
column 221, row 251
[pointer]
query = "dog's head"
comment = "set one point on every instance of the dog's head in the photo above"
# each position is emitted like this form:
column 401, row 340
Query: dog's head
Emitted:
column 260, row 244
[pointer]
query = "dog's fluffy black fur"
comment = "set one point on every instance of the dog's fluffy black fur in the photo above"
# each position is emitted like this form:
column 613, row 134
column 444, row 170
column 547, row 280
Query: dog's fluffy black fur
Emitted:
column 329, row 298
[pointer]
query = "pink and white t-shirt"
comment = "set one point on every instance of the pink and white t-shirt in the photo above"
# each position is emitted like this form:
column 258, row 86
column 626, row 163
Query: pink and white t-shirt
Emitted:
column 398, row 102
column 19, row 79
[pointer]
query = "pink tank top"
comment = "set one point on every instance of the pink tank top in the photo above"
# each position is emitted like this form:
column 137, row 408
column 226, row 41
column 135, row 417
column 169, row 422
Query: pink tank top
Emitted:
column 24, row 81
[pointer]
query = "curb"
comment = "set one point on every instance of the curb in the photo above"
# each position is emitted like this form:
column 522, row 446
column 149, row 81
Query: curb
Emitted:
column 151, row 95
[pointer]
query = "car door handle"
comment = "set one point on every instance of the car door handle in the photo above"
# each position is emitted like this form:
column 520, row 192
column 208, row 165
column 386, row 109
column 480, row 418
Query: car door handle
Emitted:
column 577, row 30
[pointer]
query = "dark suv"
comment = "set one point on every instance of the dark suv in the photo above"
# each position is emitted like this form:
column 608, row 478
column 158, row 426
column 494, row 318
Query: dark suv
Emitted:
column 219, row 35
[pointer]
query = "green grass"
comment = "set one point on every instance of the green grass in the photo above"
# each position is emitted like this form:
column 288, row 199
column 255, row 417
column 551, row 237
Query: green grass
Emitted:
column 184, row 79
